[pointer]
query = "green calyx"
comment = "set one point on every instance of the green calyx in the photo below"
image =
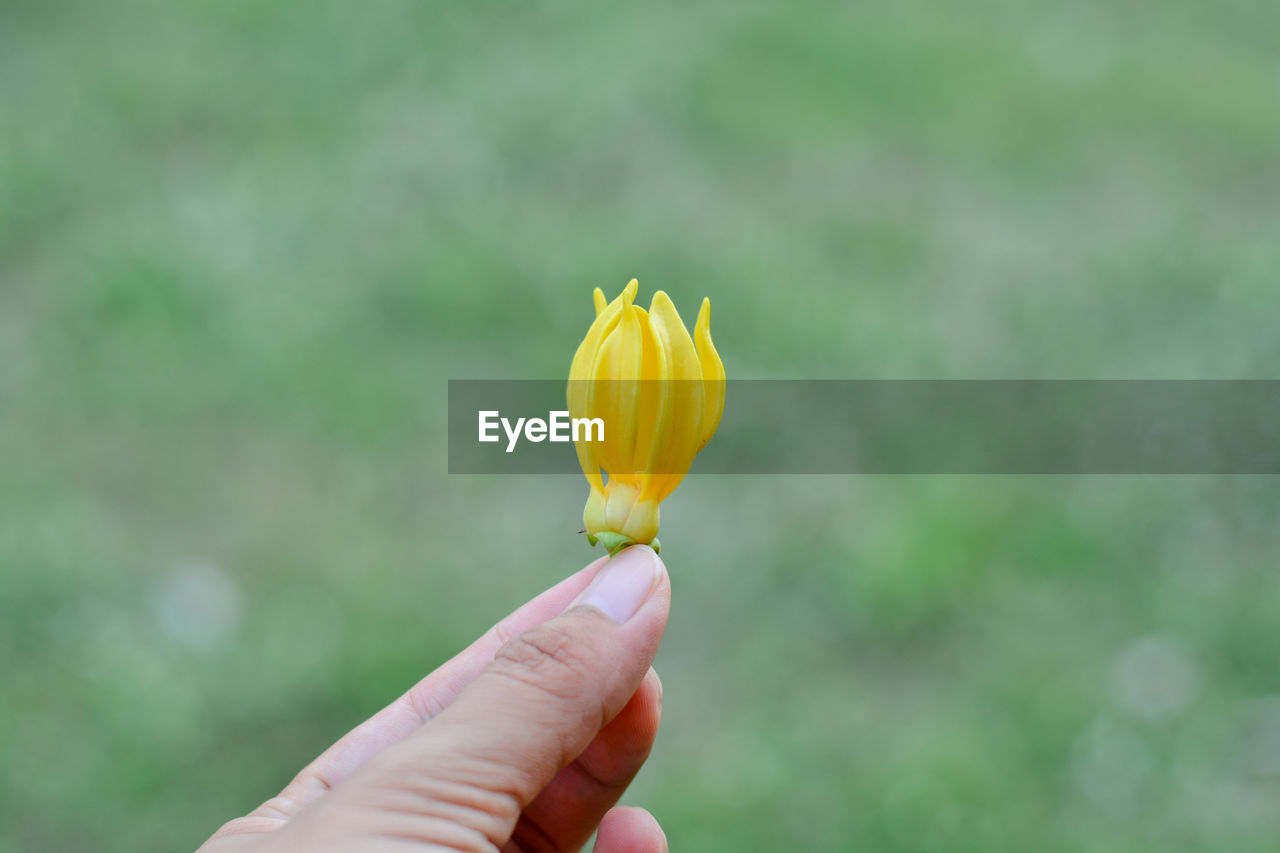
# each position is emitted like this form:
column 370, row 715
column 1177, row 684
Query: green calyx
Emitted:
column 615, row 542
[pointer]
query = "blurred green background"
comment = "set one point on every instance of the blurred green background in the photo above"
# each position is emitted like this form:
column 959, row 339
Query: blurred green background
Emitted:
column 243, row 245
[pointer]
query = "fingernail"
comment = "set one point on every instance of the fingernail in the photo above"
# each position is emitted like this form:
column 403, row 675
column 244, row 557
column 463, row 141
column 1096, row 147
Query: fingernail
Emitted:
column 623, row 583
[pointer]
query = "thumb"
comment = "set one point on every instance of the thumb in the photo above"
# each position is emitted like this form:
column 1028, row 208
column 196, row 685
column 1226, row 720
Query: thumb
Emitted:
column 469, row 772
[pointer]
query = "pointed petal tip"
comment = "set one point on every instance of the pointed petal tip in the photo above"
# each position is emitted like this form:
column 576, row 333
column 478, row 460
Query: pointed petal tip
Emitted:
column 601, row 303
column 660, row 298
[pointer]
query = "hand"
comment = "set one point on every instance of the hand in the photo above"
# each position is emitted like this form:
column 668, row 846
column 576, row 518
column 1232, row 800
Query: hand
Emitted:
column 523, row 742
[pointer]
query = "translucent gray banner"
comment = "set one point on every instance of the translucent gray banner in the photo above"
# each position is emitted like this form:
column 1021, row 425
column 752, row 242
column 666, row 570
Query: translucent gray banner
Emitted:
column 909, row 427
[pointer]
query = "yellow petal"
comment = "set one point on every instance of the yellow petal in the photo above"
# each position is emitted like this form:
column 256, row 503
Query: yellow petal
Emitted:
column 653, row 409
column 600, row 301
column 580, row 367
column 713, row 377
column 621, row 500
column 615, row 388
column 578, row 396
column 682, row 433
column 642, row 522
column 593, row 513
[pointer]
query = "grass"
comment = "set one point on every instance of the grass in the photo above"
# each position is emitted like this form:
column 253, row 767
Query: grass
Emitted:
column 243, row 245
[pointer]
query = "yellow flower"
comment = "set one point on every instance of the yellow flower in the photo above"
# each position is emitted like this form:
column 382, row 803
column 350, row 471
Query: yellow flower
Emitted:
column 660, row 394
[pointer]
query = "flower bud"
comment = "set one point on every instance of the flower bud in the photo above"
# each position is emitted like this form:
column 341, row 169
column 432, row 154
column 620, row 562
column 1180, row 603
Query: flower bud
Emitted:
column 660, row 394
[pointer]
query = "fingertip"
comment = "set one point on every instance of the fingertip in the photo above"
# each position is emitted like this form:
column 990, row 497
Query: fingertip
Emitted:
column 645, row 708
column 627, row 829
column 654, row 683
column 660, row 597
column 625, row 584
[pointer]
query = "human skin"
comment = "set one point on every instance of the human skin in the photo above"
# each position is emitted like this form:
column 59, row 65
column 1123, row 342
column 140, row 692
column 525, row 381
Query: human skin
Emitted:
column 523, row 742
